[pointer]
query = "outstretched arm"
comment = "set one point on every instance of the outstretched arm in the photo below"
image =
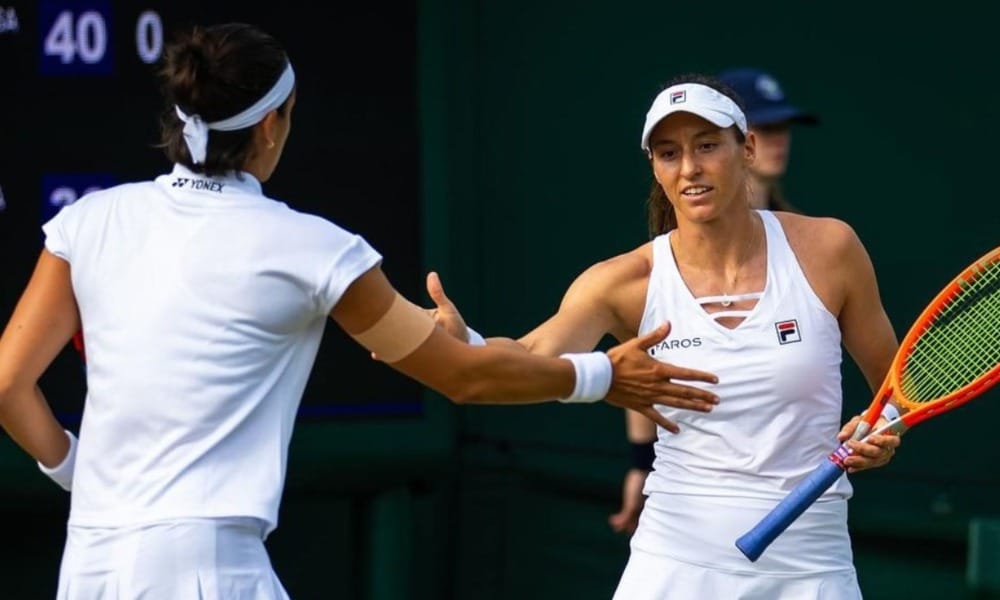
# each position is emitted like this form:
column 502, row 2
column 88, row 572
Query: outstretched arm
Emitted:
column 488, row 374
column 586, row 314
column 43, row 322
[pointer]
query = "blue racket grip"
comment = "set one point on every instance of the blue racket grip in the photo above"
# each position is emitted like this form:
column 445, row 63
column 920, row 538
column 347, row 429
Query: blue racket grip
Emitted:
column 754, row 542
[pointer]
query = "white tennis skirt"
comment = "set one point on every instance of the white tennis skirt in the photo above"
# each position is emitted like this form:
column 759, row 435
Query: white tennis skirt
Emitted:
column 684, row 549
column 198, row 559
column 652, row 577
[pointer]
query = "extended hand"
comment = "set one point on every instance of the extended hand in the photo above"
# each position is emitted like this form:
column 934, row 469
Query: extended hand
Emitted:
column 641, row 381
column 446, row 314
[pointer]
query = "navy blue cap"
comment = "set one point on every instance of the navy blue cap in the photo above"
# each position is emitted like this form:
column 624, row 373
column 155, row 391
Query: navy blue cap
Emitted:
column 764, row 99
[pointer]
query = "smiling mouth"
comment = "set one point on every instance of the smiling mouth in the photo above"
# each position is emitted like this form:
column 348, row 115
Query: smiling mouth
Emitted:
column 696, row 190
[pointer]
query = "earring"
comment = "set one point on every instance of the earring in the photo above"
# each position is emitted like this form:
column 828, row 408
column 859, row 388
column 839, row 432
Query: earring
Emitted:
column 270, row 144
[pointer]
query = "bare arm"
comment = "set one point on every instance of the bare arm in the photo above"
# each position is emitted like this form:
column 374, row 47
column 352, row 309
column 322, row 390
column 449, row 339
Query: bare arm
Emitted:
column 868, row 336
column 464, row 373
column 589, row 310
column 865, row 327
column 638, row 430
column 43, row 322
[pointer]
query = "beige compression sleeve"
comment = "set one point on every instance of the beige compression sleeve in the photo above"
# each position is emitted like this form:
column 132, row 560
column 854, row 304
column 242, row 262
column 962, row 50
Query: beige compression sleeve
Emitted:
column 398, row 332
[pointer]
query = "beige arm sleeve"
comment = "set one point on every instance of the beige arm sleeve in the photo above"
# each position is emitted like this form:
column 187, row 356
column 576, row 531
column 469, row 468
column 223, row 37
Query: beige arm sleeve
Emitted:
column 400, row 331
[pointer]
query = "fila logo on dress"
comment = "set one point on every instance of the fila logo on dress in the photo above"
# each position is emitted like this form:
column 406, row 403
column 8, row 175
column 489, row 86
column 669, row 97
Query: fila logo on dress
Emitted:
column 788, row 331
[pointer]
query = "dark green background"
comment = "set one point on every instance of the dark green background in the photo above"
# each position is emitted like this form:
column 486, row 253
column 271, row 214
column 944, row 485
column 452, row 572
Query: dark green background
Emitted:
column 529, row 125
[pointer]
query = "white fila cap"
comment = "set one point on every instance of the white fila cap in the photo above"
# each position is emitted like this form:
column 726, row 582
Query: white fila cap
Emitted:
column 697, row 99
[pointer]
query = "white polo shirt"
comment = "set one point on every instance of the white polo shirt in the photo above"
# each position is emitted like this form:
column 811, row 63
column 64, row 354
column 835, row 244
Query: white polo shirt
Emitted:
column 203, row 304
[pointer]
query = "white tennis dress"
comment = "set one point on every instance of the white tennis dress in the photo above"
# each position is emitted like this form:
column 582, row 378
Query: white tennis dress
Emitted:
column 203, row 303
column 778, row 417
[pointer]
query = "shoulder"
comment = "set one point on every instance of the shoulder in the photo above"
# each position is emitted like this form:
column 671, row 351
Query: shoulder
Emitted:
column 615, row 287
column 612, row 273
column 831, row 255
column 280, row 215
column 104, row 200
column 315, row 234
column 823, row 240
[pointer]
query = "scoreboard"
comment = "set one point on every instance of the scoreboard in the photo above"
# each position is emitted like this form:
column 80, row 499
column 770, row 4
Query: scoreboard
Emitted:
column 79, row 111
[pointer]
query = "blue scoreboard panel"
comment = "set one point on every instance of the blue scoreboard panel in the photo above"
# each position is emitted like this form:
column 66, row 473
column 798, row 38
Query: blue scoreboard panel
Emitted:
column 79, row 111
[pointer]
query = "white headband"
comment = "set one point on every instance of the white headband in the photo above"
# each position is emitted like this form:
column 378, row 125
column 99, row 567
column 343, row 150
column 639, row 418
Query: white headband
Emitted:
column 695, row 98
column 196, row 130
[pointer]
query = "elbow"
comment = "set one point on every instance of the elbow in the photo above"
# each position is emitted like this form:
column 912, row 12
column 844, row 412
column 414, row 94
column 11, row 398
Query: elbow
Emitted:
column 466, row 387
column 12, row 388
column 467, row 393
column 6, row 391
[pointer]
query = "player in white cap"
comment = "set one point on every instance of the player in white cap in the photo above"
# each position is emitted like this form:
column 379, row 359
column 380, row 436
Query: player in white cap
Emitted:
column 765, row 299
column 177, row 475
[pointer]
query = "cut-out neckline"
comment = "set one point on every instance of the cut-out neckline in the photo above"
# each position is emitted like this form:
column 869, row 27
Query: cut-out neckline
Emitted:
column 729, row 313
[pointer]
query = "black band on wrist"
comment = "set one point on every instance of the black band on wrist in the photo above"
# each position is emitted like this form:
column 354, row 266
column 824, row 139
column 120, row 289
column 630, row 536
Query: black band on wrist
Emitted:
column 643, row 455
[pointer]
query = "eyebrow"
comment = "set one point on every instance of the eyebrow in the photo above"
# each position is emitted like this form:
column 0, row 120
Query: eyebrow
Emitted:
column 701, row 133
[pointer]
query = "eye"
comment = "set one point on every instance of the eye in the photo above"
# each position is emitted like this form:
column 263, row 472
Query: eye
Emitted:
column 667, row 154
column 707, row 146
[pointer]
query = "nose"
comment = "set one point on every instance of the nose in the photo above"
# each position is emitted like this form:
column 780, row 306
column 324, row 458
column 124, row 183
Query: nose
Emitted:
column 690, row 166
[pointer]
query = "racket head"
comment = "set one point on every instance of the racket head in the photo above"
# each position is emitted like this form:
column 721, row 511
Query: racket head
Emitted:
column 951, row 354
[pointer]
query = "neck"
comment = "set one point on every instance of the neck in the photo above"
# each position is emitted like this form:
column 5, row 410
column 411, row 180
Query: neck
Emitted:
column 722, row 246
column 760, row 191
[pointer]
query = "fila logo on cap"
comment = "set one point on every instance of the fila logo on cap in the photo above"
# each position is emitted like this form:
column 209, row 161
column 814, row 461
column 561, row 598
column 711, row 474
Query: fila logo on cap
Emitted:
column 678, row 96
column 788, row 331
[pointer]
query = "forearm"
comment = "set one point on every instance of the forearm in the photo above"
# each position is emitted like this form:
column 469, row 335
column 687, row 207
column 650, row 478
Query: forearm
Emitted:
column 26, row 417
column 489, row 374
column 520, row 378
column 641, row 433
column 485, row 374
column 507, row 344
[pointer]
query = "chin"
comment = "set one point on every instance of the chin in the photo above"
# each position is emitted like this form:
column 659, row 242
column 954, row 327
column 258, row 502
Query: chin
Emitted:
column 702, row 213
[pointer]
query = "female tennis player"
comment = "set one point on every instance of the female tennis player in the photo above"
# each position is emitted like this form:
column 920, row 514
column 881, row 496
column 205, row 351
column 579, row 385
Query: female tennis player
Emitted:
column 767, row 299
column 178, row 471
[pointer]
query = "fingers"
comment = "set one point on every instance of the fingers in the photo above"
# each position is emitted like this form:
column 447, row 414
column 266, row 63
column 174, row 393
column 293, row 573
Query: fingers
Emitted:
column 670, row 371
column 685, row 396
column 436, row 291
column 692, row 398
column 623, row 522
column 678, row 395
column 875, row 451
column 653, row 337
column 653, row 415
column 848, row 429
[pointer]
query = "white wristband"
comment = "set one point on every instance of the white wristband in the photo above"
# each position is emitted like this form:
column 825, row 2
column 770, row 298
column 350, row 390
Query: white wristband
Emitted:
column 890, row 412
column 593, row 376
column 63, row 472
column 474, row 338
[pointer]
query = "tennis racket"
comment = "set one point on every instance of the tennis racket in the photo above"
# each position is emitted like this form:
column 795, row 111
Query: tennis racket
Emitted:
column 950, row 356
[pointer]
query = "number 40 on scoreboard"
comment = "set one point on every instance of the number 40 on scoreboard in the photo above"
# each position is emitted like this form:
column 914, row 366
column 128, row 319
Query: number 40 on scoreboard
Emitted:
column 76, row 37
